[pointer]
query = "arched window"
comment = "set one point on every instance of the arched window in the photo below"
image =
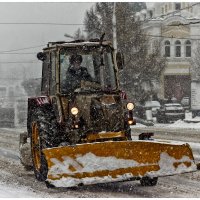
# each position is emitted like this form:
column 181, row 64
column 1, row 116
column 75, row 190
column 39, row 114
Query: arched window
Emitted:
column 167, row 48
column 150, row 13
column 177, row 6
column 162, row 10
column 187, row 48
column 170, row 5
column 165, row 8
column 178, row 48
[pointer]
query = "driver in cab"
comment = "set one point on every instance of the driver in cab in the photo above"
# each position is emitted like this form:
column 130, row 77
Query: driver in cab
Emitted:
column 75, row 74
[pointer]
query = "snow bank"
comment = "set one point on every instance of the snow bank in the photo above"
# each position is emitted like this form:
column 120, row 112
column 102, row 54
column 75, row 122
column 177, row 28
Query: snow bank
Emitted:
column 194, row 123
column 182, row 124
column 8, row 191
column 138, row 125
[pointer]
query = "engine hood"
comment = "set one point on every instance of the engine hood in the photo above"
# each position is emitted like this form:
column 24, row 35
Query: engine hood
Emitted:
column 101, row 112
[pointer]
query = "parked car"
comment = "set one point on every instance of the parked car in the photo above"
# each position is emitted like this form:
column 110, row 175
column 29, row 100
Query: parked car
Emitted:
column 185, row 102
column 153, row 106
column 170, row 112
column 140, row 109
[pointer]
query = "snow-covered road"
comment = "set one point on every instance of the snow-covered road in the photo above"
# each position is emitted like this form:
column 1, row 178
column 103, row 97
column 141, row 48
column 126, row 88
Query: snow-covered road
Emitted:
column 16, row 182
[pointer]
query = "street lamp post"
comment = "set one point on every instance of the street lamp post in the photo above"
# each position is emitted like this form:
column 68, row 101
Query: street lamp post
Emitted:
column 114, row 27
column 136, row 88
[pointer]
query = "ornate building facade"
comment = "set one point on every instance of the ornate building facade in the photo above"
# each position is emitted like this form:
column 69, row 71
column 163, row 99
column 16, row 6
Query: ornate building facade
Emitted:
column 176, row 27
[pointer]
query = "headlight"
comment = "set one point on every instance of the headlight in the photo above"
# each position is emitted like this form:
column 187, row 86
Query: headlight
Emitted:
column 74, row 111
column 130, row 106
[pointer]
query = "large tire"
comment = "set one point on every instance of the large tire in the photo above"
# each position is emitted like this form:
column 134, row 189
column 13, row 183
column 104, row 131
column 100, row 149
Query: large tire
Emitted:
column 43, row 134
column 147, row 181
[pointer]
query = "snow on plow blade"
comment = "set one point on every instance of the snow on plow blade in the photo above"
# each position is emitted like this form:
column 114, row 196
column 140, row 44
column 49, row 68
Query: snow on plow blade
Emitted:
column 102, row 162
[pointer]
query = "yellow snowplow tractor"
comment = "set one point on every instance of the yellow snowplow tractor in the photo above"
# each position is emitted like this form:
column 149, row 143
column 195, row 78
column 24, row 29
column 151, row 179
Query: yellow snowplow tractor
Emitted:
column 79, row 128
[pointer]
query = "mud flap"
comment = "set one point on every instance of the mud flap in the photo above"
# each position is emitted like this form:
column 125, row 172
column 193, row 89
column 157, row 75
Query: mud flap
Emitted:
column 102, row 162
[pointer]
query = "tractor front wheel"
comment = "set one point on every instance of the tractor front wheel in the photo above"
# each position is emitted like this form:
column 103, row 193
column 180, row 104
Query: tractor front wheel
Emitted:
column 44, row 134
column 39, row 161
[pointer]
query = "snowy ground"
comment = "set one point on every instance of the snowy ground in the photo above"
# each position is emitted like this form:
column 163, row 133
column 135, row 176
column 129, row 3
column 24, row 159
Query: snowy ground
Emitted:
column 14, row 191
column 180, row 124
column 15, row 182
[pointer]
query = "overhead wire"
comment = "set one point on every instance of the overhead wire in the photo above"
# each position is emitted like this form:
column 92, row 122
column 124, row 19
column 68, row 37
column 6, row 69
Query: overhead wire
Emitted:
column 18, row 62
column 6, row 51
column 20, row 79
column 49, row 23
column 151, row 35
column 14, row 97
column 41, row 23
column 172, row 37
column 23, row 53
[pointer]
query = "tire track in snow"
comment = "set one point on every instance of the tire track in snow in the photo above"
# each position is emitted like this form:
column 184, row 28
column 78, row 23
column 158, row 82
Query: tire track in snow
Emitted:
column 9, row 154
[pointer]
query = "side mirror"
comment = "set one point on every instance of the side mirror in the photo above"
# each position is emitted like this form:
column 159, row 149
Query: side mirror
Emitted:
column 120, row 60
column 41, row 56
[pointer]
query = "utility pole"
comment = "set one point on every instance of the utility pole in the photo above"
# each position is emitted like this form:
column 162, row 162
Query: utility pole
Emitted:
column 114, row 28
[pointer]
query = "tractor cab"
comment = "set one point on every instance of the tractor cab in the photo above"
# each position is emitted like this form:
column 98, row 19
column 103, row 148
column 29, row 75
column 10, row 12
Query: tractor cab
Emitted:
column 97, row 59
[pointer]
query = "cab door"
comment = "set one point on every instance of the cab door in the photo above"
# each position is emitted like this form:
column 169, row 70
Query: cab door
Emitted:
column 54, row 87
column 45, row 75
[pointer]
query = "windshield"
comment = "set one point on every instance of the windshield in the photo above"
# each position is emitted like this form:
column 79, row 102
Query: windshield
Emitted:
column 96, row 67
column 173, row 105
column 152, row 104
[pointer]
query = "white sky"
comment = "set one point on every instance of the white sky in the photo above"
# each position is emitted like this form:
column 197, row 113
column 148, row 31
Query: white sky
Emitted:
column 17, row 36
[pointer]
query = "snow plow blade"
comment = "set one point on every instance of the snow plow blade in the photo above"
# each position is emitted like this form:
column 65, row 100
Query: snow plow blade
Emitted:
column 101, row 162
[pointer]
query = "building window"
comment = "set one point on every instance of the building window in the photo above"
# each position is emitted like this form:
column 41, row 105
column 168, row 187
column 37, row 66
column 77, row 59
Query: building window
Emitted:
column 167, row 48
column 162, row 10
column 188, row 48
column 178, row 48
column 150, row 13
column 165, row 8
column 170, row 6
column 177, row 6
column 188, row 7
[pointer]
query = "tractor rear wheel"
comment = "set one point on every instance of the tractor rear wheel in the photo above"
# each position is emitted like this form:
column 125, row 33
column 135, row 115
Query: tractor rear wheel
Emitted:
column 147, row 181
column 39, row 162
column 43, row 132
